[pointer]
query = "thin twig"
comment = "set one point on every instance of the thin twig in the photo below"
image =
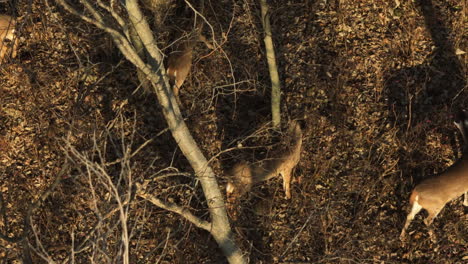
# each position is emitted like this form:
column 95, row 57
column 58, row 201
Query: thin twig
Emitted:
column 298, row 233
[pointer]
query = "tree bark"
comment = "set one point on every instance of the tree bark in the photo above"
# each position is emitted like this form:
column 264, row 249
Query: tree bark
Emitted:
column 273, row 69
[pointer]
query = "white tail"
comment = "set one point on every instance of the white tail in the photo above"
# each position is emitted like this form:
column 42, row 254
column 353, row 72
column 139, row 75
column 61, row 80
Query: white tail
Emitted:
column 8, row 43
column 244, row 175
column 432, row 194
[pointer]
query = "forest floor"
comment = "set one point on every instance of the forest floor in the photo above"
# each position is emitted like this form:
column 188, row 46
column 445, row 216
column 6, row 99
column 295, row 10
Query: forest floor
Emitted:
column 374, row 84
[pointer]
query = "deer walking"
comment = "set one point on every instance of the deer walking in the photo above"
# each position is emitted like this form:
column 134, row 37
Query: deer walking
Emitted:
column 434, row 193
column 244, row 174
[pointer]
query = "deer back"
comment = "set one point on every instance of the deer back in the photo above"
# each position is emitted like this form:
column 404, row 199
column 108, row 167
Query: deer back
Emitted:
column 446, row 186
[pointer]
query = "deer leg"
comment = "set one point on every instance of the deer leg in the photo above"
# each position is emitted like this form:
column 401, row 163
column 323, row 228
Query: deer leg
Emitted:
column 432, row 215
column 175, row 90
column 428, row 221
column 287, row 183
column 414, row 210
column 432, row 235
column 14, row 47
column 3, row 50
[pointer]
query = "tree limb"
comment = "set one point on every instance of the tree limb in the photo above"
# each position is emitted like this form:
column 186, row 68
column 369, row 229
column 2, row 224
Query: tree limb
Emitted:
column 175, row 208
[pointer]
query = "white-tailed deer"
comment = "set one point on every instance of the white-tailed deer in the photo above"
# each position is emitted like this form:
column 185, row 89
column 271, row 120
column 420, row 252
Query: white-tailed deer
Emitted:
column 9, row 44
column 180, row 59
column 432, row 194
column 179, row 64
column 244, row 175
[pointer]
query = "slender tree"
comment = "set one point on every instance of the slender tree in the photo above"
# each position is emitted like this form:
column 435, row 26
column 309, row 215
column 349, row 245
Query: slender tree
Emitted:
column 273, row 69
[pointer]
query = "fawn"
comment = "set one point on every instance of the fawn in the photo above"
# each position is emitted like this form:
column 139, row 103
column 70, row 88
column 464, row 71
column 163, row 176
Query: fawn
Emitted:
column 432, row 194
column 9, row 44
column 244, row 175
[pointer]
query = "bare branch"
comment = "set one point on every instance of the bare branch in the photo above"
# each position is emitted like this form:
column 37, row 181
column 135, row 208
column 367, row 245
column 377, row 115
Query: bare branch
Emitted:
column 93, row 11
column 175, row 208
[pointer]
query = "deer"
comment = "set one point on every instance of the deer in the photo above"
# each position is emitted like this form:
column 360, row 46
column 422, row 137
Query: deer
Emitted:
column 244, row 175
column 434, row 193
column 9, row 44
column 180, row 59
column 179, row 64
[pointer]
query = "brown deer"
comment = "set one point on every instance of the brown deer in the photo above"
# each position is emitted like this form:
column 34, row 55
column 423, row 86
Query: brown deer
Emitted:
column 9, row 44
column 244, row 175
column 180, row 59
column 432, row 194
column 179, row 64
